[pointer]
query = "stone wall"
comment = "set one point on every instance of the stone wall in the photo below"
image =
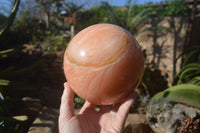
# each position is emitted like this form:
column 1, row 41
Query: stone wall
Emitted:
column 165, row 43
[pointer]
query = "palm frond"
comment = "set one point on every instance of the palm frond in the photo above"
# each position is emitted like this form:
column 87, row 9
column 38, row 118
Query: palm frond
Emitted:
column 188, row 73
column 11, row 17
column 157, row 28
column 190, row 52
column 136, row 20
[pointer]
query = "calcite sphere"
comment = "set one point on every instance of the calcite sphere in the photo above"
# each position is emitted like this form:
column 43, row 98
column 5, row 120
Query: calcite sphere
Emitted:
column 103, row 64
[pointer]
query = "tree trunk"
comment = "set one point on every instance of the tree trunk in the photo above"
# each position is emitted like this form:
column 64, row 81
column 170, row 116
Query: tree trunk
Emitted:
column 72, row 31
column 47, row 19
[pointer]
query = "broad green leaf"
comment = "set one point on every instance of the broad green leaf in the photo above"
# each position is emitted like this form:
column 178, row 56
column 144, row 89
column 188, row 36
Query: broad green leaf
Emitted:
column 186, row 94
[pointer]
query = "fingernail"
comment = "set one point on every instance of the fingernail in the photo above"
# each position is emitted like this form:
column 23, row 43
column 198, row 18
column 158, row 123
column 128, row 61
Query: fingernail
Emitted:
column 65, row 85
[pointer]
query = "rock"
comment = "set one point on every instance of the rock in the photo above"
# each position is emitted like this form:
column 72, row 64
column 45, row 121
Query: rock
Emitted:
column 173, row 118
column 135, row 119
column 136, row 123
column 46, row 122
column 33, row 104
column 28, row 112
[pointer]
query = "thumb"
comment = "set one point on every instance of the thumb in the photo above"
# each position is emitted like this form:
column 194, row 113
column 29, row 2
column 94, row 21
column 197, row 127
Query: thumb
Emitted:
column 67, row 106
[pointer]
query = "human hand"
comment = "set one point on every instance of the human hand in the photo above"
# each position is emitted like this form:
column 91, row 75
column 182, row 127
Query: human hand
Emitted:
column 109, row 119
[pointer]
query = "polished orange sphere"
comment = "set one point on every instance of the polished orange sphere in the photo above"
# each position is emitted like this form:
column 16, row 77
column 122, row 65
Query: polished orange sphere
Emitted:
column 103, row 64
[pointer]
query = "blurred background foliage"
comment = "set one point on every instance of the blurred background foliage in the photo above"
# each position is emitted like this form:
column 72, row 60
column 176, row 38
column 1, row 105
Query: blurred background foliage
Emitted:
column 52, row 20
column 48, row 25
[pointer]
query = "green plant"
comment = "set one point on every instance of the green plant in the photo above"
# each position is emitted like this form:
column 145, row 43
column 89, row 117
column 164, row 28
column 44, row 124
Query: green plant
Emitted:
column 3, row 29
column 90, row 17
column 78, row 102
column 11, row 18
column 176, row 8
column 9, row 122
column 190, row 71
column 127, row 17
column 189, row 74
column 3, row 54
column 186, row 93
column 187, row 90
